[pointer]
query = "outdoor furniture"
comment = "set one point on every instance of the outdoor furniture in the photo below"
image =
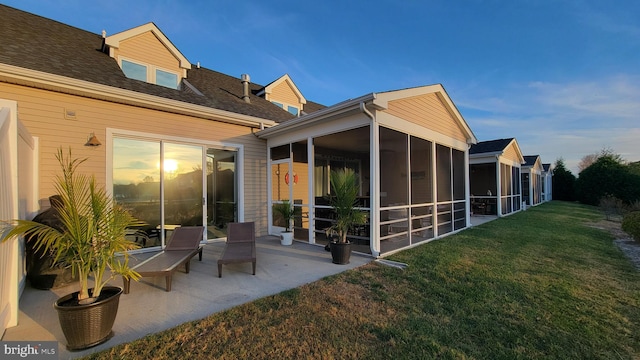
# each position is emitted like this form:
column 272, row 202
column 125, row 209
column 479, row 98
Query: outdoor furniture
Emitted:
column 183, row 244
column 240, row 246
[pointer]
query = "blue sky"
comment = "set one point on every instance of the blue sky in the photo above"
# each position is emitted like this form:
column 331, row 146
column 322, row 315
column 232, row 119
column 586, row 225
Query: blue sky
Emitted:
column 562, row 77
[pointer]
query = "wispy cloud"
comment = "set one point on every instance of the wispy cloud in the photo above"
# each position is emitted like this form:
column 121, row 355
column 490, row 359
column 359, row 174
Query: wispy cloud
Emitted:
column 568, row 120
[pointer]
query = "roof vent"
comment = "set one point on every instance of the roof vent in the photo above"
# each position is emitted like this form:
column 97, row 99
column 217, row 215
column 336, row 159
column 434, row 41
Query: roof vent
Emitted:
column 245, row 87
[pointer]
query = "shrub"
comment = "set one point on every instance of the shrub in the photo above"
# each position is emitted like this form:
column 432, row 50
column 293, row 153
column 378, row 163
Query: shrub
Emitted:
column 607, row 176
column 635, row 206
column 611, row 206
column 631, row 224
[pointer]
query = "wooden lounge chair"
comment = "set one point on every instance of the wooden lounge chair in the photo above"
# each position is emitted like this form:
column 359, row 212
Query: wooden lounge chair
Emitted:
column 240, row 247
column 183, row 244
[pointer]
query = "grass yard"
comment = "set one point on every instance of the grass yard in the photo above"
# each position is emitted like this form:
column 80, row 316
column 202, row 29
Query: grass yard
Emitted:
column 537, row 284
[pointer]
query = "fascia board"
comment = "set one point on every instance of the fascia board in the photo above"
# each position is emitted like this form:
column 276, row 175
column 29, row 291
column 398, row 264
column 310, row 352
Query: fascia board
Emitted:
column 514, row 142
column 115, row 39
column 283, row 78
column 47, row 81
column 316, row 116
column 383, row 99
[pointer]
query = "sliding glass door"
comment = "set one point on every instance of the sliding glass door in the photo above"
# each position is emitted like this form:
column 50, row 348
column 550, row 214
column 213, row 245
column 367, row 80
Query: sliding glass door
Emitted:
column 168, row 184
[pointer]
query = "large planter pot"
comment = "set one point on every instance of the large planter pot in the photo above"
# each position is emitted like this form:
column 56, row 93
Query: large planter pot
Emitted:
column 286, row 238
column 340, row 253
column 88, row 325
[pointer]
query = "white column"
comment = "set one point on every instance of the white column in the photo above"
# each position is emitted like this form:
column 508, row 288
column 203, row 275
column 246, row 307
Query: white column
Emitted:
column 374, row 192
column 311, row 201
column 499, row 187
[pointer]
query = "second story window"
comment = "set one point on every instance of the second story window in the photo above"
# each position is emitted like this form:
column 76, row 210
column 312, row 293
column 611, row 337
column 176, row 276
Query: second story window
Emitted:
column 292, row 109
column 134, row 71
column 167, row 79
column 149, row 73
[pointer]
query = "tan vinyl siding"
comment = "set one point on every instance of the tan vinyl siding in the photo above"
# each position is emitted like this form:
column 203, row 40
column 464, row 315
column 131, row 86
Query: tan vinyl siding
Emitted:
column 427, row 111
column 511, row 153
column 283, row 93
column 43, row 113
column 147, row 48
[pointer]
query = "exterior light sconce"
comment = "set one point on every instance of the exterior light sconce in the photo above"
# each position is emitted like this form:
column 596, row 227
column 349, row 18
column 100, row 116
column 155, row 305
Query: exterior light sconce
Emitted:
column 93, row 140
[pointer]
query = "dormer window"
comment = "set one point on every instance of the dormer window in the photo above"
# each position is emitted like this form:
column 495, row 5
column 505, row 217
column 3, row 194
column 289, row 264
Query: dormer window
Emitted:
column 292, row 109
column 134, row 71
column 144, row 53
column 149, row 73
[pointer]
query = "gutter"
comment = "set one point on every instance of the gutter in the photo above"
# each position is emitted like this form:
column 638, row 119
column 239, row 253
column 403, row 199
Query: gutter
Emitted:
column 309, row 119
column 63, row 84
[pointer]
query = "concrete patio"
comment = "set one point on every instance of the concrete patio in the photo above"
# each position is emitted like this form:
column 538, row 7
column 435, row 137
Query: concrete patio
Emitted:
column 148, row 308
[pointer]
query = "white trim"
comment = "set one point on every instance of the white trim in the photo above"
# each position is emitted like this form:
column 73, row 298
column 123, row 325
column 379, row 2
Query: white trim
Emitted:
column 151, row 71
column 114, row 40
column 9, row 209
column 239, row 148
column 382, row 100
column 51, row 82
column 284, row 78
column 393, row 122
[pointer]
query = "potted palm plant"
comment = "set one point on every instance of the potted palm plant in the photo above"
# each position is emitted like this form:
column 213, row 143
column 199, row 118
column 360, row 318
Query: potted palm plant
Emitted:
column 344, row 200
column 287, row 212
column 92, row 243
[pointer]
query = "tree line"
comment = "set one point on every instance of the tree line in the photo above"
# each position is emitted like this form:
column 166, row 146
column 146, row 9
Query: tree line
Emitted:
column 603, row 176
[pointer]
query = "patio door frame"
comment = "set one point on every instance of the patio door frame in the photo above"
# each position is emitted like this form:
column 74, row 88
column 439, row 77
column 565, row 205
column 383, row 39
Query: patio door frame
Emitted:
column 204, row 145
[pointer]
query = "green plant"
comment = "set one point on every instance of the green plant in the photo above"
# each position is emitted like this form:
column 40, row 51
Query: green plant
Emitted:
column 631, row 224
column 286, row 210
column 93, row 237
column 344, row 200
column 611, row 206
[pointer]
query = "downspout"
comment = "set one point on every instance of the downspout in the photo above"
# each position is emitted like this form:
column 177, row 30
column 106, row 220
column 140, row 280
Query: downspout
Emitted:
column 373, row 185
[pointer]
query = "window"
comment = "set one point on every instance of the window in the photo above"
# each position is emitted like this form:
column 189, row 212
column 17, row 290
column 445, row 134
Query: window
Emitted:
column 149, row 73
column 134, row 71
column 292, row 109
column 166, row 79
column 165, row 184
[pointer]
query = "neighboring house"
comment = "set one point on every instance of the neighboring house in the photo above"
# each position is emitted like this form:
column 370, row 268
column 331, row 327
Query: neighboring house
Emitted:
column 494, row 177
column 179, row 144
column 532, row 180
column 547, row 182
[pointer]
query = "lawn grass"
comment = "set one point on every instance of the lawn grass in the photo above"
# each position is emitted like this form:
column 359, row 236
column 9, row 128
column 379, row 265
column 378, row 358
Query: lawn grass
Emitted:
column 537, row 284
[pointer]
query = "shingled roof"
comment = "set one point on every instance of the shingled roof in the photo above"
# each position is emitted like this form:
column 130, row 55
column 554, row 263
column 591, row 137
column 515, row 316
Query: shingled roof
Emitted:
column 530, row 160
column 491, row 146
column 37, row 43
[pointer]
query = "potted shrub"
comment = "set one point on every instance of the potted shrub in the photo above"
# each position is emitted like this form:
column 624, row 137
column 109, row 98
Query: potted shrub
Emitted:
column 92, row 243
column 287, row 212
column 344, row 200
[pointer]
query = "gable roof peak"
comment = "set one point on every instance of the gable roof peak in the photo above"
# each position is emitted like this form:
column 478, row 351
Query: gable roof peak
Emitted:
column 114, row 40
column 267, row 89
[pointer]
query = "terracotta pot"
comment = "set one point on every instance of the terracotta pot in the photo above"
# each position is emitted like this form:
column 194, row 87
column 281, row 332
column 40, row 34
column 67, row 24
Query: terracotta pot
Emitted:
column 88, row 325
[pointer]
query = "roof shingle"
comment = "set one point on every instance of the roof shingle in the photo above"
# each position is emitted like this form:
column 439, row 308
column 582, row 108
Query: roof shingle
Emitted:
column 37, row 43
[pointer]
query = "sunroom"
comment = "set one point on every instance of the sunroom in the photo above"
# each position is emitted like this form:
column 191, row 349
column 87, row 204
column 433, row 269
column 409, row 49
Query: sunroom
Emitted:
column 409, row 149
column 532, row 180
column 495, row 177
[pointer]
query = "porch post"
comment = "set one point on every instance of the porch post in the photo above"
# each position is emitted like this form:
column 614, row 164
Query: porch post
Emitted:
column 374, row 188
column 434, row 190
column 467, row 186
column 499, row 187
column 310, row 190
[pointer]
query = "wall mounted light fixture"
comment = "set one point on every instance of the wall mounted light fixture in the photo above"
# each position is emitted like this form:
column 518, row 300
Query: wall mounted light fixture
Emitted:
column 93, row 140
